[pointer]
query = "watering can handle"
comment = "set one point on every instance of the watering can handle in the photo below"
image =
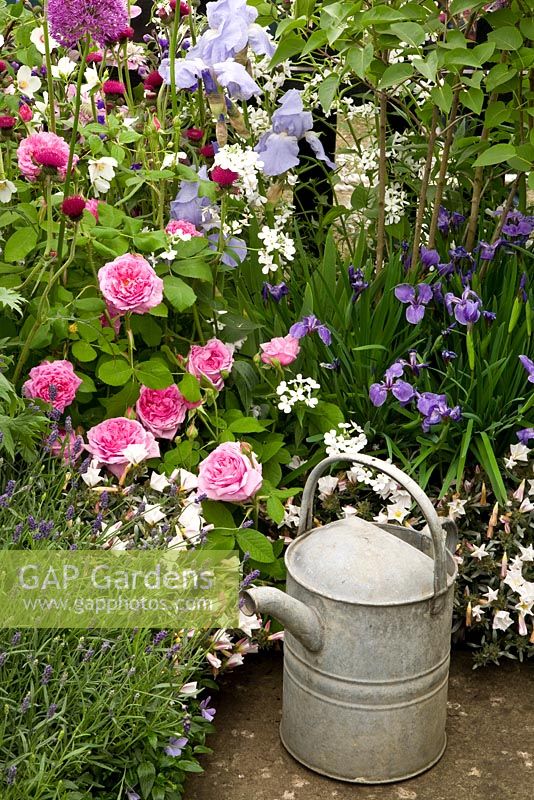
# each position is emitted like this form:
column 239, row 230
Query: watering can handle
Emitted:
column 429, row 512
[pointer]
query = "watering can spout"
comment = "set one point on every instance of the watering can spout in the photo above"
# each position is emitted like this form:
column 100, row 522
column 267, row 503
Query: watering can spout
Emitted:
column 302, row 622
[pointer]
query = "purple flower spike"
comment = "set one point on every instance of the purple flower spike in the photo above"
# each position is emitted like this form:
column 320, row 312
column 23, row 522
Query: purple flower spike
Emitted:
column 529, row 366
column 525, row 435
column 416, row 298
column 175, row 746
column 400, row 389
column 310, row 324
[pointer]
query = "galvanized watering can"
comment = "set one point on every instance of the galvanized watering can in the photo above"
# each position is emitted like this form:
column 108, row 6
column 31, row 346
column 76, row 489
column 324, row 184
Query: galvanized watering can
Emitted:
column 366, row 659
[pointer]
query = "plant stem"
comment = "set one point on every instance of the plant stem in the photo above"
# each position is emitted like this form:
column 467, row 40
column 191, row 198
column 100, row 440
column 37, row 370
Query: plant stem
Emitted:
column 424, row 189
column 172, row 60
column 49, row 77
column 382, row 180
column 131, row 342
column 440, row 186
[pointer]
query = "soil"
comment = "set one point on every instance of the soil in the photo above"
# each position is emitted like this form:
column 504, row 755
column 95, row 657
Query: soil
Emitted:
column 490, row 752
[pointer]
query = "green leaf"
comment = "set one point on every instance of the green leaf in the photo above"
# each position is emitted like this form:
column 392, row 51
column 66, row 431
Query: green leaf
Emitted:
column 359, row 59
column 290, row 46
column 190, row 388
column 495, row 155
column 178, row 293
column 95, row 304
column 499, row 74
column 473, row 99
column 115, row 372
column 395, row 74
column 190, row 766
column 148, row 328
column 83, row 351
column 489, row 464
column 409, row 32
column 496, row 114
column 247, row 425
column 153, row 374
column 275, row 509
column 217, row 514
column 194, row 268
column 427, row 67
column 442, row 97
column 146, row 773
column 327, row 91
column 150, row 241
column 20, row 244
column 109, row 216
column 506, row 38
column 255, row 543
column 9, row 298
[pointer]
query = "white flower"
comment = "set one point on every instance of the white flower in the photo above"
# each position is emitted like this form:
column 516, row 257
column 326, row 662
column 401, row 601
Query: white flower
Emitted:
column 37, row 38
column 135, row 454
column 295, row 391
column 191, row 521
column 502, row 621
column 186, row 481
column 518, row 452
column 190, row 689
column 396, row 512
column 172, row 160
column 27, row 83
column 527, row 553
column 7, row 189
column 91, row 80
column 349, row 439
column 296, row 462
column 477, row 612
column 349, row 511
column 291, row 516
column 514, row 579
column 177, row 542
column 526, row 506
column 159, row 482
column 491, row 595
column 402, row 498
column 480, row 552
column 457, row 508
column 91, row 477
column 327, row 486
column 248, row 624
column 64, row 68
column 102, row 172
column 153, row 513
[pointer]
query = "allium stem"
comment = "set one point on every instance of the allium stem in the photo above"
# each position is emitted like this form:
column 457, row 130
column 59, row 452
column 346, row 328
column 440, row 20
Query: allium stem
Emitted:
column 382, row 180
column 425, row 180
column 49, row 77
column 440, row 186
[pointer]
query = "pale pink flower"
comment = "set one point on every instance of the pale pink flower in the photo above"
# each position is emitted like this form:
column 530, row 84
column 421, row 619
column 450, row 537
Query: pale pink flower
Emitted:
column 182, row 229
column 54, row 382
column 230, row 473
column 162, row 411
column 67, row 445
column 108, row 441
column 129, row 283
column 92, row 207
column 43, row 149
column 283, row 349
column 212, row 361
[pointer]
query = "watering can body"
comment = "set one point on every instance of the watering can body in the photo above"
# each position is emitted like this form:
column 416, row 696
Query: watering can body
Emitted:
column 368, row 614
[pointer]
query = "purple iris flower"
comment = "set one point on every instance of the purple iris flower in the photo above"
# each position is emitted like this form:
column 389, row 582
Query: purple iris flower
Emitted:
column 228, row 73
column 435, row 409
column 175, row 746
column 525, row 435
column 467, row 308
column 401, row 390
column 445, row 270
column 487, row 251
column 523, row 287
column 406, row 255
column 132, row 795
column 416, row 297
column 457, row 219
column 518, row 226
column 429, row 258
column 444, row 221
column 334, row 365
column 413, row 364
column 309, row 325
column 276, row 291
column 279, row 146
column 235, row 250
column 448, row 356
column 236, row 80
column 357, row 282
column 187, row 204
column 459, row 253
column 207, row 712
column 529, row 366
column 437, row 292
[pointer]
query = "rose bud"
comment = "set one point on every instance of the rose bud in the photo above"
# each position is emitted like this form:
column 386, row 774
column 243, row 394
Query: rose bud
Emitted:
column 184, row 9
column 25, row 113
column 223, row 177
column 7, row 123
column 3, row 66
column 73, row 207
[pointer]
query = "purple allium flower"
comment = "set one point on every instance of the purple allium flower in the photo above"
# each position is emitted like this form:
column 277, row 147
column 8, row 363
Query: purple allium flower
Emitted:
column 529, row 366
column 400, row 389
column 448, row 355
column 435, row 409
column 71, row 20
column 467, row 308
column 279, row 146
column 525, row 435
column 175, row 746
column 487, row 251
column 358, row 283
column 429, row 258
column 47, row 674
column 276, row 291
column 416, row 298
column 207, row 712
column 413, row 364
column 308, row 325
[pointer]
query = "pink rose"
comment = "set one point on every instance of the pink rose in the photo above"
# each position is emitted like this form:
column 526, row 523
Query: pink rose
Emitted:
column 92, row 207
column 129, row 283
column 43, row 149
column 284, row 349
column 54, row 382
column 210, row 361
column 162, row 411
column 231, row 472
column 109, row 442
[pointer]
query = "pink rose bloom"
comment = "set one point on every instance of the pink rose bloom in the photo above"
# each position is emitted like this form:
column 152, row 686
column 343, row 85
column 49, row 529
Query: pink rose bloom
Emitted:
column 43, row 149
column 182, row 229
column 109, row 440
column 284, row 349
column 92, row 207
column 60, row 376
column 209, row 361
column 231, row 472
column 162, row 411
column 129, row 283
column 68, row 445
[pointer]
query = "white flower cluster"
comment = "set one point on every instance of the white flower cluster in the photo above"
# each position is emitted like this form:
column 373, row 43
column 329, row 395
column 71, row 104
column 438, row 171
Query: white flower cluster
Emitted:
column 271, row 80
column 349, row 439
column 518, row 453
column 247, row 164
column 298, row 390
column 278, row 247
column 101, row 173
column 259, row 121
column 352, row 110
column 396, row 201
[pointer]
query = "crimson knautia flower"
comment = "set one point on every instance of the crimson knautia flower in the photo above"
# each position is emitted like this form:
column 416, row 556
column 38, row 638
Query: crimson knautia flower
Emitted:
column 223, row 177
column 435, row 409
column 467, row 308
column 175, row 746
column 310, row 324
column 401, row 390
column 529, row 366
column 357, row 282
column 276, row 291
column 71, row 20
column 113, row 88
column 416, row 297
column 73, row 207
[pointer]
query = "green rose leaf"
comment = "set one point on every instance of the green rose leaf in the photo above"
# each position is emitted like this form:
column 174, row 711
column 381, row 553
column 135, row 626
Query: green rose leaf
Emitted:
column 83, row 351
column 190, row 388
column 150, row 241
column 178, row 293
column 255, row 543
column 114, row 372
column 154, row 374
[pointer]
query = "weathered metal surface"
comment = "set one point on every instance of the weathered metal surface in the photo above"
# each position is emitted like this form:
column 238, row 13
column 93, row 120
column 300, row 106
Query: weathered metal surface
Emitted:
column 368, row 616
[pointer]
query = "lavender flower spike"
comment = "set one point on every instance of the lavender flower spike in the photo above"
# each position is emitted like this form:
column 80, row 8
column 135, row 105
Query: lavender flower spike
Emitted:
column 529, row 366
column 309, row 325
column 416, row 300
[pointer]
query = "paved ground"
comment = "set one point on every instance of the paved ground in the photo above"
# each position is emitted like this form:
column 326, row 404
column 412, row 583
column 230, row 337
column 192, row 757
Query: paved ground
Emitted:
column 490, row 755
